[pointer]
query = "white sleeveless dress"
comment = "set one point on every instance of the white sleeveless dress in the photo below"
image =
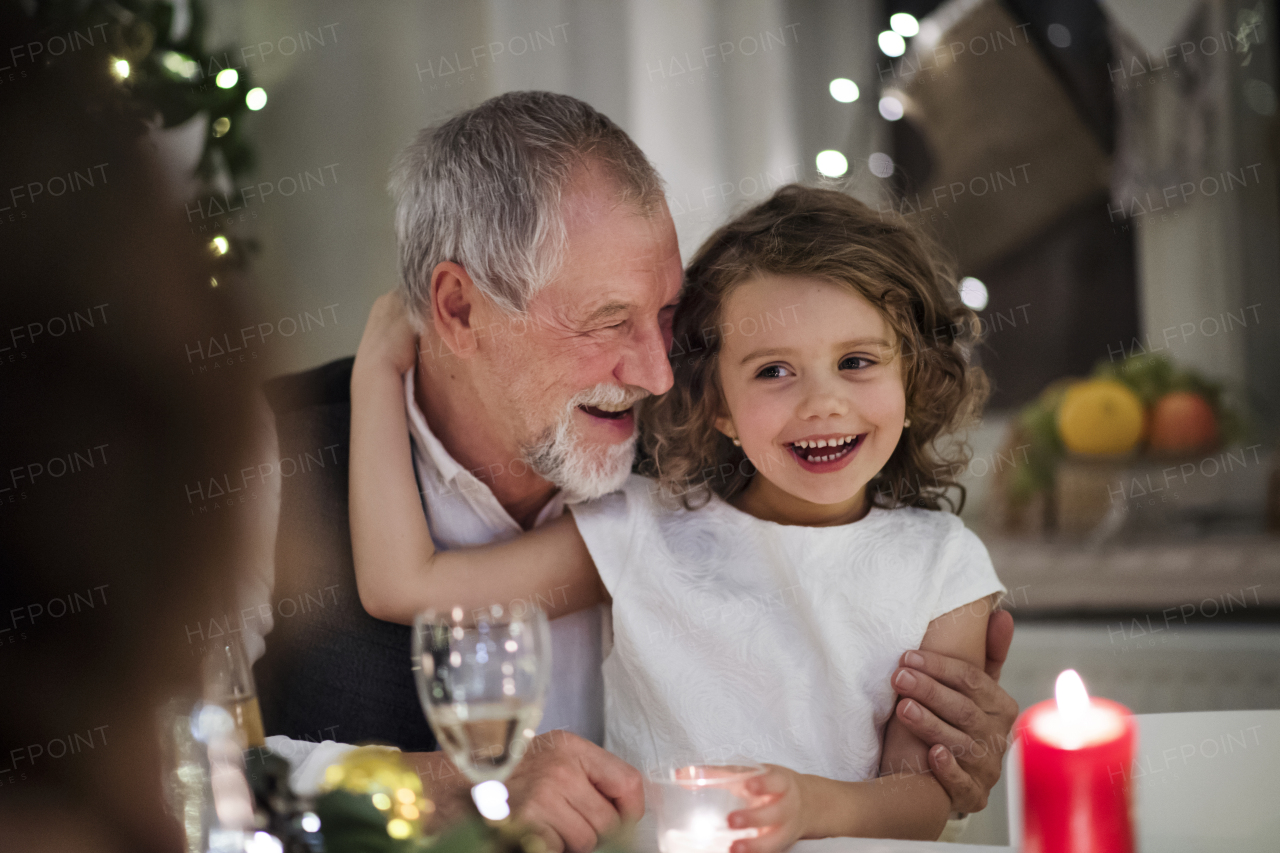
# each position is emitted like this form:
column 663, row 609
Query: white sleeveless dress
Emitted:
column 736, row 638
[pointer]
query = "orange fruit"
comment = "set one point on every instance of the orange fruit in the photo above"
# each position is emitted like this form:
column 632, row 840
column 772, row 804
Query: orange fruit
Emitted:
column 1183, row 422
column 1100, row 417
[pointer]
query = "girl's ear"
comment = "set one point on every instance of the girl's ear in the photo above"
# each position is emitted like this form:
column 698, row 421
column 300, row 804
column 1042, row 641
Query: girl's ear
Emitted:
column 725, row 425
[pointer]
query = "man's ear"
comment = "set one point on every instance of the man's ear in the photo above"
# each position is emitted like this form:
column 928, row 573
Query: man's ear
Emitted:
column 453, row 295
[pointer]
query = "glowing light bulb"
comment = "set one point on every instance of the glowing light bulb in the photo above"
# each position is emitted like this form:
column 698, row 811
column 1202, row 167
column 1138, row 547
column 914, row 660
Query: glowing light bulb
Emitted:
column 891, row 44
column 219, row 245
column 880, row 164
column 227, row 78
column 891, row 108
column 844, row 90
column 904, row 24
column 183, row 66
column 120, row 68
column 256, row 98
column 832, row 163
column 974, row 294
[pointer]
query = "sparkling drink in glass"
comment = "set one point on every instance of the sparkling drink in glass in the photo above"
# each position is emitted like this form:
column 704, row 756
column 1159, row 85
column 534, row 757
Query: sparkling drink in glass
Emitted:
column 482, row 679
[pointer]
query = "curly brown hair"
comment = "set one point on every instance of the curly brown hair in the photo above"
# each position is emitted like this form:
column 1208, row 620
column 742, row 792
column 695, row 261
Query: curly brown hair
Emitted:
column 805, row 231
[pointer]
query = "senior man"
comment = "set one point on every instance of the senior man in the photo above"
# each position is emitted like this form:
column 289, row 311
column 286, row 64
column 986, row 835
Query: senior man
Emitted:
column 540, row 265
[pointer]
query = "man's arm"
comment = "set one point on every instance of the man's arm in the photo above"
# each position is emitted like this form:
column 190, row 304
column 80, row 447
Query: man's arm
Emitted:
column 962, row 713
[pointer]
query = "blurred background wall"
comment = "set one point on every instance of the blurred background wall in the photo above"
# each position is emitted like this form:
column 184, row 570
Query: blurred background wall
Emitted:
column 729, row 100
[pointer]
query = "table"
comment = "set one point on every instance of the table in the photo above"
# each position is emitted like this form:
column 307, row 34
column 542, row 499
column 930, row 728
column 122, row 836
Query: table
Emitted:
column 1202, row 781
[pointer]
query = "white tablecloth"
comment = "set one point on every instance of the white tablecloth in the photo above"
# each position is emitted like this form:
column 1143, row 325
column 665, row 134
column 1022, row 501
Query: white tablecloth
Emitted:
column 1202, row 781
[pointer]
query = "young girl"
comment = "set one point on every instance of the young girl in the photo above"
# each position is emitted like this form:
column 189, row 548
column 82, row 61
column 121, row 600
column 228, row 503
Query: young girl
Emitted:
column 789, row 547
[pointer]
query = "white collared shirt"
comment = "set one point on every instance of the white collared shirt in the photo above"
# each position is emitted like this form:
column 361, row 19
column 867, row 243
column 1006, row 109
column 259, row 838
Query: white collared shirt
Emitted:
column 461, row 510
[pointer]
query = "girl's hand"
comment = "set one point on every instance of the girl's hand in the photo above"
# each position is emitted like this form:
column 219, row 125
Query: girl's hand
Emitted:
column 779, row 814
column 389, row 341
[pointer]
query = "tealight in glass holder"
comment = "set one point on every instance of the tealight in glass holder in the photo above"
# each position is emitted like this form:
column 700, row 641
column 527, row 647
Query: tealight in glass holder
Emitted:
column 692, row 804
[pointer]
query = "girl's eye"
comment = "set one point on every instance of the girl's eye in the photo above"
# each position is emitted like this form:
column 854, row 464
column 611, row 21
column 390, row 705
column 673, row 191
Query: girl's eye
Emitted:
column 855, row 362
column 773, row 371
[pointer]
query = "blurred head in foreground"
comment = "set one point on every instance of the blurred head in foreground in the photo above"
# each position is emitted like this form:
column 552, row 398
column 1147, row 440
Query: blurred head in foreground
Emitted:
column 101, row 564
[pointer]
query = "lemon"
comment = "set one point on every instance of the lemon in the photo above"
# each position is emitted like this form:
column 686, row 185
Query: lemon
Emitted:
column 1100, row 417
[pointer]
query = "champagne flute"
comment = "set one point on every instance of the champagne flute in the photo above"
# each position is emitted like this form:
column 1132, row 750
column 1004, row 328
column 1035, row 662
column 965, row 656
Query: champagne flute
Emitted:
column 482, row 679
column 228, row 681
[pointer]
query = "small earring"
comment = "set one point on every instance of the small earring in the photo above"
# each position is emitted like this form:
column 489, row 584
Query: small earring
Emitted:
column 906, row 423
column 737, row 442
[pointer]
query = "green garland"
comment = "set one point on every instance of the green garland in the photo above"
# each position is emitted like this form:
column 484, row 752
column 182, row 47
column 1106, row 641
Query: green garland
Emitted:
column 172, row 78
column 160, row 78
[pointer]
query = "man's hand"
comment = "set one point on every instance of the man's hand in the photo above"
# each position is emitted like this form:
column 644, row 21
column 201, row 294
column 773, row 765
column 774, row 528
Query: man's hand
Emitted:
column 962, row 713
column 572, row 792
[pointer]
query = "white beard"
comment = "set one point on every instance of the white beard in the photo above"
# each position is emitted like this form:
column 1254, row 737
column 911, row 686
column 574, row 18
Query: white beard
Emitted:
column 585, row 473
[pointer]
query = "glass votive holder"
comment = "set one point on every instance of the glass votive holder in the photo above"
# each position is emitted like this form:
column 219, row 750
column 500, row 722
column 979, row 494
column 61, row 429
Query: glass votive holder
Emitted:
column 692, row 805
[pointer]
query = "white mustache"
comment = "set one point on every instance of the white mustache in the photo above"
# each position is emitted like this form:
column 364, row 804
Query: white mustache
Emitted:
column 608, row 396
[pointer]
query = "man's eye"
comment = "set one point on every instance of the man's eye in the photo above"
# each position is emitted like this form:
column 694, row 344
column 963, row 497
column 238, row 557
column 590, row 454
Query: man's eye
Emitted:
column 773, row 371
column 855, row 362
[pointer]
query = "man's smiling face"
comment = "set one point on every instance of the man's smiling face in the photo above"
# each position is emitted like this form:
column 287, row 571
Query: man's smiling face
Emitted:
column 593, row 342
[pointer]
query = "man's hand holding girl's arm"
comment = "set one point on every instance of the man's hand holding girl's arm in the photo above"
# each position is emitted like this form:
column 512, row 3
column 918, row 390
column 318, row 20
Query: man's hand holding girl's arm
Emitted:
column 906, row 801
column 958, row 708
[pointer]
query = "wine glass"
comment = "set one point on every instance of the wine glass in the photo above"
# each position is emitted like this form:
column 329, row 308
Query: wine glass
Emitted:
column 228, row 681
column 482, row 679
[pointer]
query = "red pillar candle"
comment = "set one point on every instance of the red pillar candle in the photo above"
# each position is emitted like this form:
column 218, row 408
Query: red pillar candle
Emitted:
column 1076, row 756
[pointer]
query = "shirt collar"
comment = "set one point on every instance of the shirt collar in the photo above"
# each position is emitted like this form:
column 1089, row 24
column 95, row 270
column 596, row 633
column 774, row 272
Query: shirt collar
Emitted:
column 449, row 469
column 445, row 464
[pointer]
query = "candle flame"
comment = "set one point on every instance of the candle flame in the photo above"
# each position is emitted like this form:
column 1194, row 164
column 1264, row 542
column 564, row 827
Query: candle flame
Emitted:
column 704, row 824
column 1072, row 698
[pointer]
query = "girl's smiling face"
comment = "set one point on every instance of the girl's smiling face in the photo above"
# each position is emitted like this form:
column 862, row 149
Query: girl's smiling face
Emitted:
column 817, row 399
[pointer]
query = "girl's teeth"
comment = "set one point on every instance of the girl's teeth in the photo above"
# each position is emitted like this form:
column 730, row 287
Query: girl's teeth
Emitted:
column 844, row 445
column 824, row 442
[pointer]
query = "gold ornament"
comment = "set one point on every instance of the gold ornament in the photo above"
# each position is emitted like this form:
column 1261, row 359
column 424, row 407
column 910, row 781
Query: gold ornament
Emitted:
column 393, row 787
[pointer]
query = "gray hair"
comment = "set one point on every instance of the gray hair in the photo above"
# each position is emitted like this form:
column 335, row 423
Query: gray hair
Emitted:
column 484, row 191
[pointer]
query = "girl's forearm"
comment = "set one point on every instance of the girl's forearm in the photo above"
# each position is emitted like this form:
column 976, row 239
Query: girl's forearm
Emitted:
column 904, row 805
column 389, row 536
